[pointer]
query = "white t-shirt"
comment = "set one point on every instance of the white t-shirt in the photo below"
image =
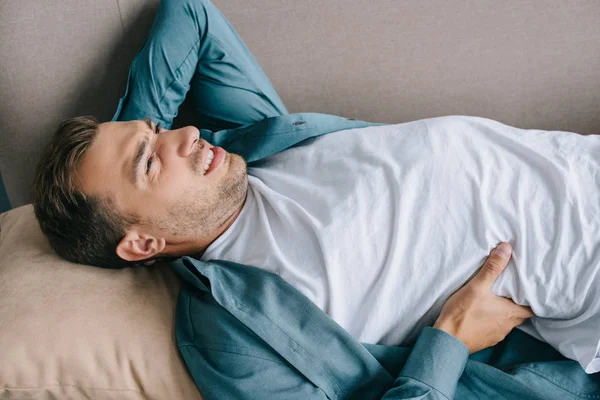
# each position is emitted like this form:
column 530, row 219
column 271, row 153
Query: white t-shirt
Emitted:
column 379, row 226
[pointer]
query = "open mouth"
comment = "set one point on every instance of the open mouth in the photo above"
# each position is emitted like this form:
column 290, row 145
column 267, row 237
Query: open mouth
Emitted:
column 213, row 159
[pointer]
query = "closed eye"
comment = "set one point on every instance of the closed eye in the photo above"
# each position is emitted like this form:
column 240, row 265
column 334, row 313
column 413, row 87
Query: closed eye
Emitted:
column 151, row 158
column 149, row 164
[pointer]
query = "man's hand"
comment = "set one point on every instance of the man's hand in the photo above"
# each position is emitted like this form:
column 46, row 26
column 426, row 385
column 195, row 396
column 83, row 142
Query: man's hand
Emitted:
column 475, row 315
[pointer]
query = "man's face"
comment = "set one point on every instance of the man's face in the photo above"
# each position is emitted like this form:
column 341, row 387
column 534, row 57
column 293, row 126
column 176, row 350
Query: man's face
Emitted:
column 161, row 179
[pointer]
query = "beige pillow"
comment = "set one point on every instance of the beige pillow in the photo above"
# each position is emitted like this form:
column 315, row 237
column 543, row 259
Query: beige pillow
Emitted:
column 69, row 331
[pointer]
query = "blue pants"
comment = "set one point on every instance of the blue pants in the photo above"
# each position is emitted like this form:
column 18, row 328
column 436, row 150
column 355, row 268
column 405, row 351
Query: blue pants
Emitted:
column 200, row 55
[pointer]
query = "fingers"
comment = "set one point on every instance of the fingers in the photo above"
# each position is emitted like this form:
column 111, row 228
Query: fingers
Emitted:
column 517, row 310
column 525, row 312
column 494, row 265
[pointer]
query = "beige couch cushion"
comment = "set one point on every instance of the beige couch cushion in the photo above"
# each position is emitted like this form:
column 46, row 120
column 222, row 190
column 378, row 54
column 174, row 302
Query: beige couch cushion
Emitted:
column 69, row 331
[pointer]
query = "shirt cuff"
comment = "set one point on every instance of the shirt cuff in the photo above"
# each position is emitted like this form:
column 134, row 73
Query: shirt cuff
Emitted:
column 438, row 360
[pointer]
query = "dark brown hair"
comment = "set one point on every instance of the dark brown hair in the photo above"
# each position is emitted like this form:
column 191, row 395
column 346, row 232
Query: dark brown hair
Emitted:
column 80, row 228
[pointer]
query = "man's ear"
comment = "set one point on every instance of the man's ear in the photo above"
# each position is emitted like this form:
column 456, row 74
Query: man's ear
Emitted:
column 136, row 246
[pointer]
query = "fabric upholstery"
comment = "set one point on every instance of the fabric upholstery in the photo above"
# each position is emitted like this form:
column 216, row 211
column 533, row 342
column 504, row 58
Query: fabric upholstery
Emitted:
column 529, row 64
column 72, row 332
column 4, row 203
column 69, row 331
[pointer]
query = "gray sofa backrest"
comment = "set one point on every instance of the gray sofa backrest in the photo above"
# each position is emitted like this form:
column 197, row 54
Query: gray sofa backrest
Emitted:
column 532, row 64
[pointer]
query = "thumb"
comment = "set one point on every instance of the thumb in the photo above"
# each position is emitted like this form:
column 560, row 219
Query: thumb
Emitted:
column 494, row 265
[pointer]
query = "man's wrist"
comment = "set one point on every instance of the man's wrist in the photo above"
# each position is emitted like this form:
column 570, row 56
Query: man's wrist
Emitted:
column 451, row 328
column 437, row 359
column 447, row 326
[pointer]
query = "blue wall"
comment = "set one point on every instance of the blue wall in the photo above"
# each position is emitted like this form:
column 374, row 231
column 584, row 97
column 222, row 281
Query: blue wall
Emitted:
column 4, row 203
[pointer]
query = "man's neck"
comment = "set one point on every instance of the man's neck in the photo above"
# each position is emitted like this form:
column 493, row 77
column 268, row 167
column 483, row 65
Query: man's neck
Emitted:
column 224, row 226
column 229, row 221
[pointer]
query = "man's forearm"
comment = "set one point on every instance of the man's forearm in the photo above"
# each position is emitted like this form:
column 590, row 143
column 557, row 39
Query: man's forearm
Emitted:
column 433, row 368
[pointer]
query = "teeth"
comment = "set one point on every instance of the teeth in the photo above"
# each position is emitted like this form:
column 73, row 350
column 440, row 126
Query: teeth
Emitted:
column 209, row 159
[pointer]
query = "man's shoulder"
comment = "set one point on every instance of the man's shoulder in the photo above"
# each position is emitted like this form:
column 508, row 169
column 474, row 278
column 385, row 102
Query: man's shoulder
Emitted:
column 202, row 323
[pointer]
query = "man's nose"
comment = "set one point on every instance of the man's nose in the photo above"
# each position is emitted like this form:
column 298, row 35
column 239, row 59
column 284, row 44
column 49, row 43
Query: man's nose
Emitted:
column 188, row 138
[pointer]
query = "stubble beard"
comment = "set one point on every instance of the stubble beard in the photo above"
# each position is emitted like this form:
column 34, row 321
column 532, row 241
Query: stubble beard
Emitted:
column 200, row 214
column 232, row 191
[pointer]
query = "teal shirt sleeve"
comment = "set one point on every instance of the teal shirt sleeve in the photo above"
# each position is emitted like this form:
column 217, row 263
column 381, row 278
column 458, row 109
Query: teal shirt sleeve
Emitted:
column 433, row 368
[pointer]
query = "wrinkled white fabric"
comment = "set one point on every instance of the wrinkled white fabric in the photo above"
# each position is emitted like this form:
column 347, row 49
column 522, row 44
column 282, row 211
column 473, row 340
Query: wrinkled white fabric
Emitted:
column 379, row 226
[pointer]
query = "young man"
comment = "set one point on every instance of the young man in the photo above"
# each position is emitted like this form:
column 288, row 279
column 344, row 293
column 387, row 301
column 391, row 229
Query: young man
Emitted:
column 127, row 192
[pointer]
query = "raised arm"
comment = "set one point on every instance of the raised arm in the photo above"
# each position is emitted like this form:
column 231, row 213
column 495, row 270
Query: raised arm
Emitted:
column 193, row 52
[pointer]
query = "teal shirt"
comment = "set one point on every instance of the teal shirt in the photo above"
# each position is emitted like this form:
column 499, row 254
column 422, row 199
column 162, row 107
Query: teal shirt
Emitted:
column 245, row 333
